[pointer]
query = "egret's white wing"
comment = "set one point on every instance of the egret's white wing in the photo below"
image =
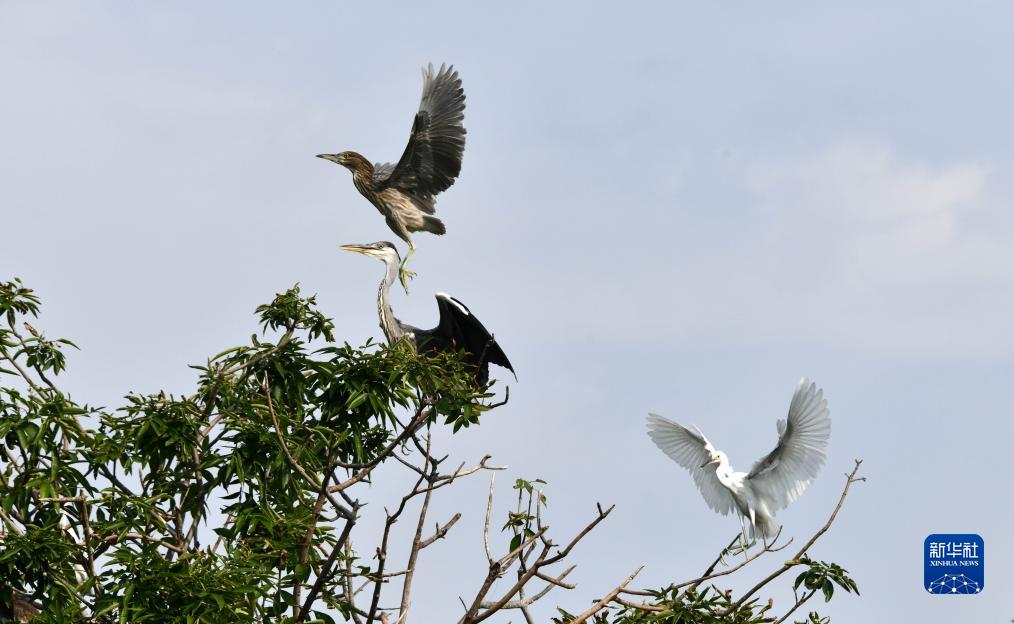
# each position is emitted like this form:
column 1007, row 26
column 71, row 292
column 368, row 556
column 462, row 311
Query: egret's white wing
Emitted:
column 691, row 449
column 782, row 475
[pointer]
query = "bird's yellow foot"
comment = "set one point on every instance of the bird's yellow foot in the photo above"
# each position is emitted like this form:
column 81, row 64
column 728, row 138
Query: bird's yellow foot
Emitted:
column 404, row 275
column 742, row 547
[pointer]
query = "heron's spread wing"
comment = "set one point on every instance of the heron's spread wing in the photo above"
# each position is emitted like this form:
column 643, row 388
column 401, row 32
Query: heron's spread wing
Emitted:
column 459, row 329
column 691, row 449
column 784, row 473
column 432, row 158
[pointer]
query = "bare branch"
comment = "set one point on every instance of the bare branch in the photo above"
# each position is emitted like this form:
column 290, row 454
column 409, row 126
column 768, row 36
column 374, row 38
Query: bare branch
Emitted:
column 115, row 539
column 422, row 415
column 89, row 551
column 440, row 532
column 523, row 603
column 489, row 512
column 849, row 480
column 497, row 568
column 417, row 545
column 506, row 398
column 710, row 574
column 577, row 538
column 799, row 603
column 464, row 473
column 509, row 558
column 21, row 371
column 325, row 571
column 350, row 595
column 558, row 581
column 605, row 600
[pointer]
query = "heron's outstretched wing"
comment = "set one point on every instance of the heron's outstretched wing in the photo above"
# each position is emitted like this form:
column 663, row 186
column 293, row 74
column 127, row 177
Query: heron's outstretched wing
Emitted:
column 691, row 449
column 432, row 158
column 459, row 329
column 784, row 473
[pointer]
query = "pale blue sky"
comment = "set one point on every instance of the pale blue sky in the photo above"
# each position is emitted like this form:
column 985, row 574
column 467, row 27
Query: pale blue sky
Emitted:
column 671, row 207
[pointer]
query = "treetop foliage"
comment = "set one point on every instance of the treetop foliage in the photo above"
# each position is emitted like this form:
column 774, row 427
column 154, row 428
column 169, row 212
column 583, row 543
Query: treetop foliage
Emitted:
column 240, row 501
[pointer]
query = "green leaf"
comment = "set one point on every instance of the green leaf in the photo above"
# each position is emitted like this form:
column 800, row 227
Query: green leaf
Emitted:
column 515, row 542
column 828, row 589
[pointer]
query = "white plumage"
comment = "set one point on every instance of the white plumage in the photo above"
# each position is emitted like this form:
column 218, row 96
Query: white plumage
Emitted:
column 774, row 481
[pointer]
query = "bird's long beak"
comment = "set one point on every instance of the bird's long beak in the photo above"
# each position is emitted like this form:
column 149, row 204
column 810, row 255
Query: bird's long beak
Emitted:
column 709, row 462
column 356, row 248
column 332, row 157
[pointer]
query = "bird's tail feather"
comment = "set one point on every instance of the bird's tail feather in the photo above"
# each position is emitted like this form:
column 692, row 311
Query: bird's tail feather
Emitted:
column 433, row 225
column 765, row 527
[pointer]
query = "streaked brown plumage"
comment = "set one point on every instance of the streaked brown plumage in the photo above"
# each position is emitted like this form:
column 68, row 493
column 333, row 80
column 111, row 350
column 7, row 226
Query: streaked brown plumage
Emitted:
column 405, row 192
column 22, row 610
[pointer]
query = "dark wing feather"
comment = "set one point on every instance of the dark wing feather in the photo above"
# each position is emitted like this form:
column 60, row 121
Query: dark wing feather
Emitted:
column 459, row 329
column 432, row 158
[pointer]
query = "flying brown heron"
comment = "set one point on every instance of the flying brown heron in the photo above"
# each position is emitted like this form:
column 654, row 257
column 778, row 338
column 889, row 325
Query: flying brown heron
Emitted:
column 458, row 328
column 405, row 193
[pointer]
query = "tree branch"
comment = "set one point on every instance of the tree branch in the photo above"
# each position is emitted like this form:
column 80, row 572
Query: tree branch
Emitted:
column 422, row 415
column 325, row 571
column 605, row 600
column 849, row 480
column 440, row 532
column 799, row 603
column 497, row 568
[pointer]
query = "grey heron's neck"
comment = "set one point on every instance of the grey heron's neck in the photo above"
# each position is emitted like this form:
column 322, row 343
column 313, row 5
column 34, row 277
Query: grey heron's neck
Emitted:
column 389, row 324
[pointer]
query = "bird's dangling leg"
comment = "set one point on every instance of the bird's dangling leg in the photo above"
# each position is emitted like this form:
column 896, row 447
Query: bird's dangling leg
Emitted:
column 741, row 548
column 403, row 273
column 753, row 528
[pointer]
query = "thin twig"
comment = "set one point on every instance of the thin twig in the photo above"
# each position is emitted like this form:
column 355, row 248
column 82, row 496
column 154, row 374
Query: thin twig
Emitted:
column 497, row 568
column 799, row 603
column 694, row 583
column 605, row 600
column 413, row 555
column 325, row 571
column 489, row 512
column 524, row 602
column 422, row 416
column 115, row 539
column 440, row 532
column 849, row 480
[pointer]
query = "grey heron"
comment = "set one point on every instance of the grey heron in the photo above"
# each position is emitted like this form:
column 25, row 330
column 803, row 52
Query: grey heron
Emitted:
column 404, row 192
column 458, row 328
column 773, row 482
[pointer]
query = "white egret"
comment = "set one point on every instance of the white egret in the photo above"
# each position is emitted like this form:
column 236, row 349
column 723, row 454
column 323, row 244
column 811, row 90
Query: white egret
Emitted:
column 774, row 481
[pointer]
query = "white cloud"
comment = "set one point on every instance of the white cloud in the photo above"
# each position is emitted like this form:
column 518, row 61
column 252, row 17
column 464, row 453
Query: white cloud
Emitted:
column 898, row 254
column 856, row 246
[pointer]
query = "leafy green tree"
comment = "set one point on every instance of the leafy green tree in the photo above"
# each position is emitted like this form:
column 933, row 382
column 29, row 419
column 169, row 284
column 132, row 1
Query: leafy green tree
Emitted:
column 239, row 502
